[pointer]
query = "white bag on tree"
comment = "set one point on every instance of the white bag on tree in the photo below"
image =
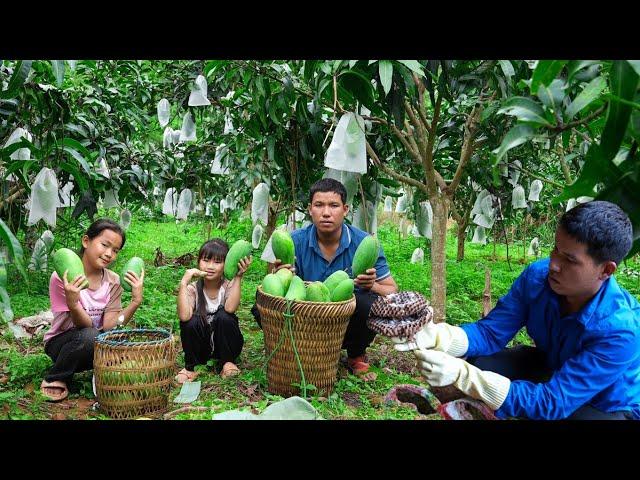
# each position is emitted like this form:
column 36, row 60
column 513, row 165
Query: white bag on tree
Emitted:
column 102, row 168
column 218, row 166
column 64, row 196
column 39, row 257
column 164, row 111
column 17, row 135
column 371, row 218
column 260, row 204
column 167, row 138
column 477, row 206
column 388, row 204
column 486, row 207
column 256, row 236
column 44, row 198
column 228, row 124
column 170, row 204
column 401, row 205
column 347, row 150
column 198, row 96
column 125, row 219
column 483, row 220
column 188, row 132
column 348, row 179
column 176, row 136
column 184, row 204
column 514, row 175
column 479, row 235
column 417, row 256
column 534, row 247
column 424, row 219
column 111, row 199
column 517, row 197
column 534, row 191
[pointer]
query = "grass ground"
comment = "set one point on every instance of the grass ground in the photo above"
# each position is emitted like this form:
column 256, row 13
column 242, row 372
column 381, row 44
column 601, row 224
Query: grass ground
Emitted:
column 23, row 362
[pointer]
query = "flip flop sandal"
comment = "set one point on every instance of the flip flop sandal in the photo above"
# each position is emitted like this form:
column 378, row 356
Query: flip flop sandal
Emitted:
column 360, row 368
column 188, row 376
column 55, row 384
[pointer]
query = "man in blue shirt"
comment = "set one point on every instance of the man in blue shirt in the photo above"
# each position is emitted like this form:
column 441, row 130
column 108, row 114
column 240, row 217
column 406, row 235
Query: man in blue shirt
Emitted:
column 586, row 329
column 328, row 245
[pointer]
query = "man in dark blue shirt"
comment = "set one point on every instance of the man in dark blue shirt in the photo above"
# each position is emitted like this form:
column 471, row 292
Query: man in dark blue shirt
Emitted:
column 586, row 329
column 329, row 245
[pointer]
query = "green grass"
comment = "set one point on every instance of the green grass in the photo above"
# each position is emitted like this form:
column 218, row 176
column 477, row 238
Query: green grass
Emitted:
column 23, row 363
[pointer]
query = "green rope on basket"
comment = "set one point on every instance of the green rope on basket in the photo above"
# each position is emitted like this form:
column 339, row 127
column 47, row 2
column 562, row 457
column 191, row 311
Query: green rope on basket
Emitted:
column 286, row 326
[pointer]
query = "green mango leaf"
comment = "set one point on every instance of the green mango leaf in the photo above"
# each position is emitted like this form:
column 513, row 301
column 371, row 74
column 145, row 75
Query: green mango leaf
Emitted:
column 18, row 78
column 413, row 65
column 385, row 69
column 357, row 85
column 58, row 70
column 516, row 136
column 574, row 66
column 525, row 110
column 635, row 64
column 624, row 83
column 552, row 95
column 77, row 151
column 6, row 314
column 77, row 175
column 15, row 249
column 507, row 68
column 590, row 93
column 546, row 71
column 489, row 111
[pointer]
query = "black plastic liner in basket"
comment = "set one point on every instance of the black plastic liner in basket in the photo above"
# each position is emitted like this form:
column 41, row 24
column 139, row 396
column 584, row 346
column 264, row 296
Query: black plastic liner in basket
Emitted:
column 399, row 314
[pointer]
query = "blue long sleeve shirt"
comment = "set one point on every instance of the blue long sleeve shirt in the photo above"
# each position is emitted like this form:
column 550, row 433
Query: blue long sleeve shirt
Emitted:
column 594, row 353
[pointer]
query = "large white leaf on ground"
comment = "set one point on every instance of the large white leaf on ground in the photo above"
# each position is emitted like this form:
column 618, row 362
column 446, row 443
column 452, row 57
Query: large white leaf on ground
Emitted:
column 164, row 112
column 64, row 198
column 260, row 204
column 256, row 236
column 188, row 132
column 17, row 135
column 125, row 219
column 424, row 219
column 479, row 235
column 184, row 204
column 347, row 150
column 198, row 96
column 371, row 213
column 517, row 197
column 111, row 199
column 534, row 191
column 219, row 164
column 170, row 204
column 44, row 198
column 417, row 256
column 534, row 247
column 102, row 168
column 388, row 204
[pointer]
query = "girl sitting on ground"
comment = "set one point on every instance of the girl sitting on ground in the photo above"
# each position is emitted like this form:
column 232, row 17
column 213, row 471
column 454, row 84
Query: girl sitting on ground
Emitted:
column 209, row 327
column 81, row 314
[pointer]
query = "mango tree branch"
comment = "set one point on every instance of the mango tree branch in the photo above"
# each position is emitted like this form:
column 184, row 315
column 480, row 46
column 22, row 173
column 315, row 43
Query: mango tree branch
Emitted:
column 587, row 119
column 470, row 129
column 427, row 161
column 392, row 173
column 421, row 111
column 12, row 197
column 533, row 175
column 414, row 153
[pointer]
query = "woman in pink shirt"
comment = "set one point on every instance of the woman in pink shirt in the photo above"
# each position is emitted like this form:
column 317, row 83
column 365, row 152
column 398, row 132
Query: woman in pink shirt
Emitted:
column 81, row 314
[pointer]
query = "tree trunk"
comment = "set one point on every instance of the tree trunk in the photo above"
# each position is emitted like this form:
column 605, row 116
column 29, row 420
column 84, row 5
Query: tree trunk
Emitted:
column 438, row 257
column 486, row 295
column 462, row 235
column 271, row 224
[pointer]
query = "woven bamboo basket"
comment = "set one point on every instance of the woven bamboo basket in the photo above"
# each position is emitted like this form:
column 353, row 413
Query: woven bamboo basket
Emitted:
column 318, row 331
column 133, row 372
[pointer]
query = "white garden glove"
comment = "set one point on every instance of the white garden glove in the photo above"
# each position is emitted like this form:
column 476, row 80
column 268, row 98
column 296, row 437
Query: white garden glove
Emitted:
column 437, row 336
column 441, row 369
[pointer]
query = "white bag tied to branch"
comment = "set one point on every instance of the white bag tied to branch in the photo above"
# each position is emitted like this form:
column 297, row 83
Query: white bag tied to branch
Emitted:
column 198, row 96
column 102, row 168
column 44, row 198
column 17, row 135
column 220, row 159
column 477, row 206
column 417, row 256
column 348, row 179
column 184, row 204
column 256, row 236
column 424, row 219
column 414, row 231
column 170, row 204
column 401, row 204
column 348, row 147
column 479, row 235
column 514, row 175
column 188, row 132
column 111, row 199
column 125, row 219
column 534, row 247
column 359, row 218
column 486, row 207
column 176, row 134
column 228, row 124
column 388, row 204
column 517, row 197
column 39, row 257
column 164, row 112
column 64, row 196
column 534, row 191
column 504, row 169
column 260, row 204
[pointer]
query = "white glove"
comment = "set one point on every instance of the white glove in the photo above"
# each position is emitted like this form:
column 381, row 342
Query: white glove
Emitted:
column 437, row 336
column 441, row 369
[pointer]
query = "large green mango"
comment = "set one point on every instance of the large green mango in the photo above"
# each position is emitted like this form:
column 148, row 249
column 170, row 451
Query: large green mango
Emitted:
column 272, row 285
column 365, row 256
column 344, row 291
column 237, row 252
column 282, row 245
column 135, row 265
column 335, row 278
column 297, row 290
column 67, row 260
